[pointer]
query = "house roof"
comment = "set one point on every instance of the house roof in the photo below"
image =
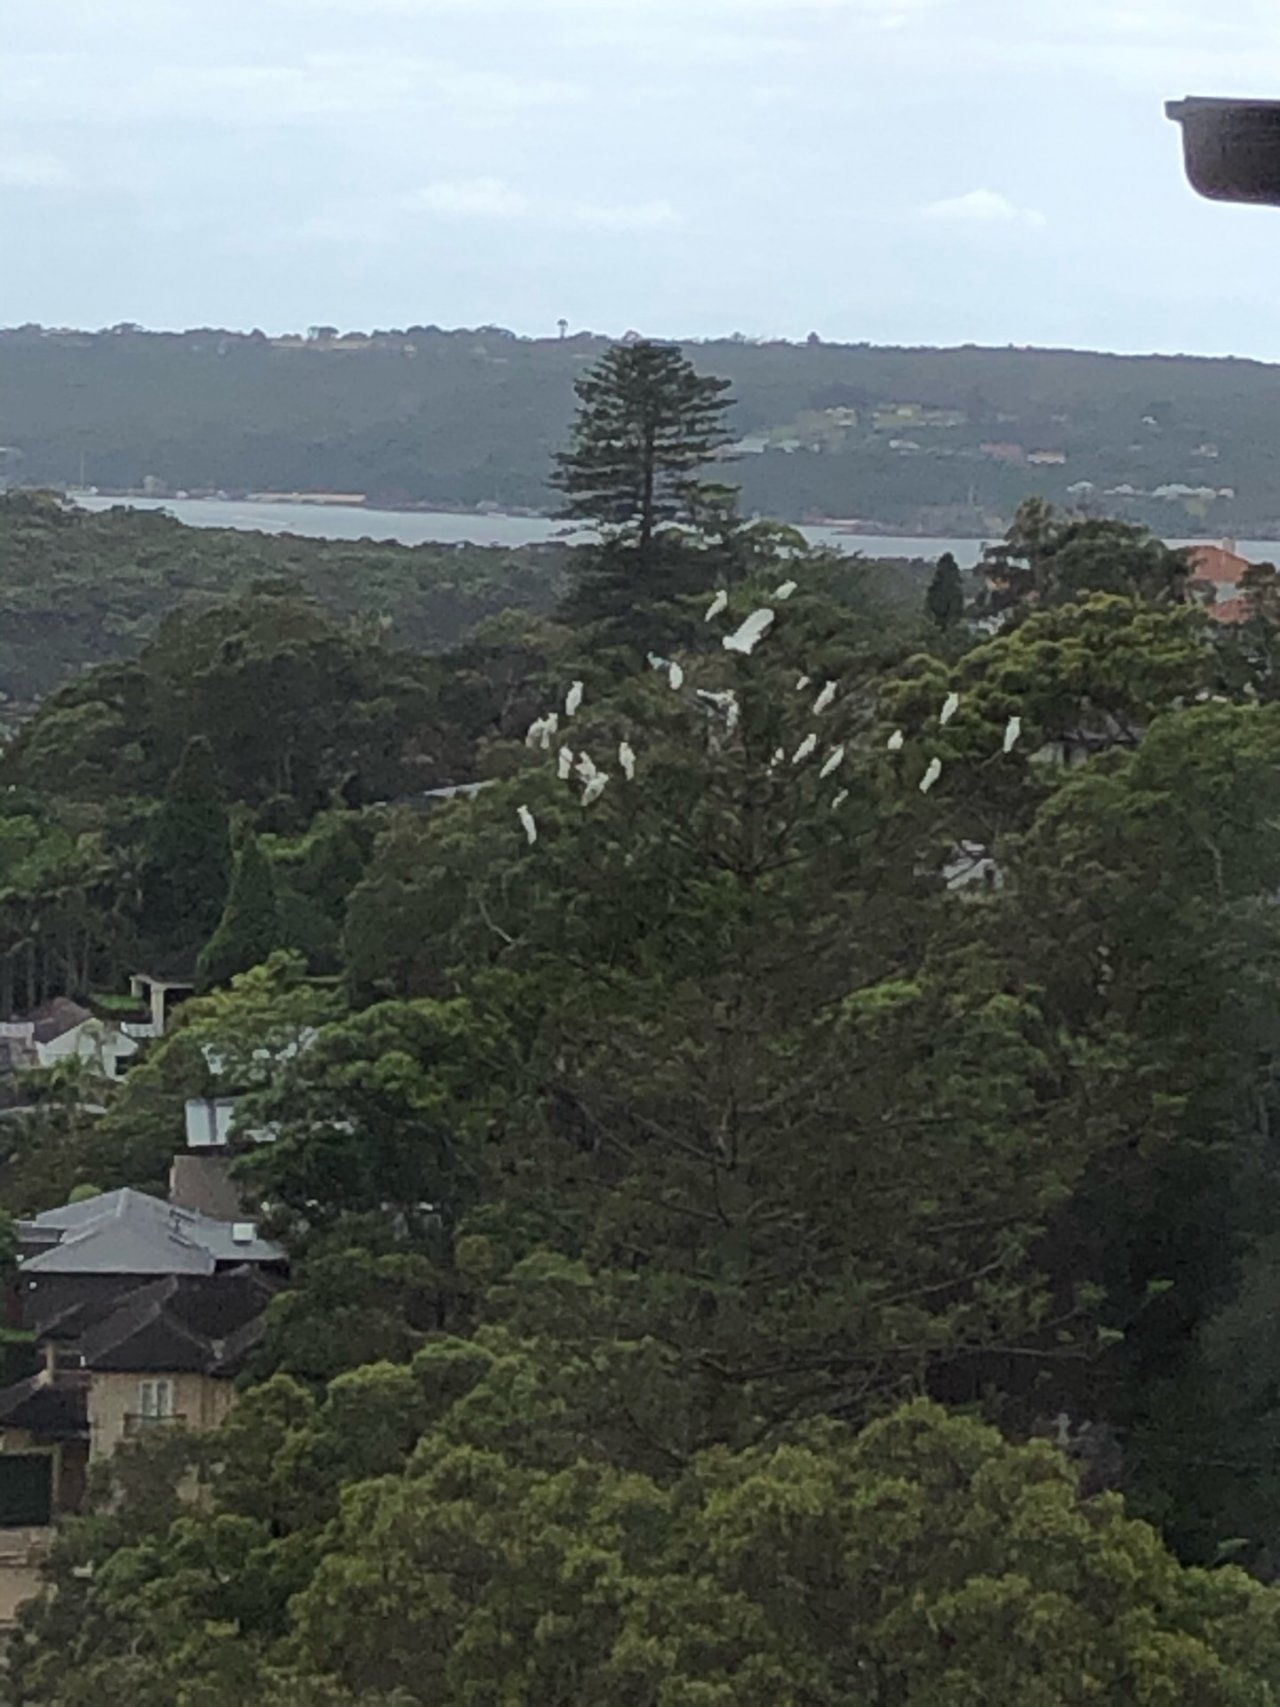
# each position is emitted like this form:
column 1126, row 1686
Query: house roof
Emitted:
column 1230, row 611
column 202, row 1326
column 127, row 1232
column 1217, row 563
column 56, row 1018
column 41, row 1407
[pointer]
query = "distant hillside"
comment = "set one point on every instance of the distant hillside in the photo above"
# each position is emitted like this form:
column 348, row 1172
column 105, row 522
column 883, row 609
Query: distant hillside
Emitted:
column 79, row 589
column 928, row 440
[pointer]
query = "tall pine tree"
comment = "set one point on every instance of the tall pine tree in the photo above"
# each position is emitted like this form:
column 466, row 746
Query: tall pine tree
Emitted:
column 647, row 422
column 250, row 929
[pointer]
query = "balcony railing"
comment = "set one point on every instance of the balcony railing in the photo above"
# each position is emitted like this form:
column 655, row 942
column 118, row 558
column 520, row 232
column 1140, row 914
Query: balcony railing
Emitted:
column 136, row 1423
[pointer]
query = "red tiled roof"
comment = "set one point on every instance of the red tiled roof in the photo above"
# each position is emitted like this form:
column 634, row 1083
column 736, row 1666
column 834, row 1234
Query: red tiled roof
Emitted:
column 1216, row 563
column 1229, row 610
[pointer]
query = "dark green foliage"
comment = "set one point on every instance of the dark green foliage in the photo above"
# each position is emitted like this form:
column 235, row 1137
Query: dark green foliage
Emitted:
column 188, row 861
column 80, row 589
column 299, row 713
column 944, row 600
column 647, row 423
column 250, row 929
column 1052, row 558
column 643, row 1183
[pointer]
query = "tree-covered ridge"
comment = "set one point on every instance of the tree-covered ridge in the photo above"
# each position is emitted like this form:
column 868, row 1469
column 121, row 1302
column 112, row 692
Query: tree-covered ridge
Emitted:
column 780, row 1183
column 939, row 441
column 79, row 589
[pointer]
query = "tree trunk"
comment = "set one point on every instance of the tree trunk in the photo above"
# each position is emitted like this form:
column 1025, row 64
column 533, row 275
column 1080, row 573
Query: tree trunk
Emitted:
column 648, row 521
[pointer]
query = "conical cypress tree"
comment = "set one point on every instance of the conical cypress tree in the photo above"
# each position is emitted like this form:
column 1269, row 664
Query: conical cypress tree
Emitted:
column 250, row 929
column 188, row 863
column 945, row 599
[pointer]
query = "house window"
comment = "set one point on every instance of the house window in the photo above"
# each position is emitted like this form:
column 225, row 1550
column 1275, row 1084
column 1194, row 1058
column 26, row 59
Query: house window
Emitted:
column 155, row 1400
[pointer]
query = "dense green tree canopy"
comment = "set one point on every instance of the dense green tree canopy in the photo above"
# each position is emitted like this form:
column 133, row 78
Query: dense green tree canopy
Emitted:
column 828, row 1038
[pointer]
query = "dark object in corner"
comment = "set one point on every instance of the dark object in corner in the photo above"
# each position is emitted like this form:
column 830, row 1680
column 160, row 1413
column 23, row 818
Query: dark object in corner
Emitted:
column 1232, row 148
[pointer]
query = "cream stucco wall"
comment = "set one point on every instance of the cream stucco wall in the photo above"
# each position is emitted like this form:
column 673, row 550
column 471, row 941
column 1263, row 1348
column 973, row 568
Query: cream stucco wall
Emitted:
column 198, row 1401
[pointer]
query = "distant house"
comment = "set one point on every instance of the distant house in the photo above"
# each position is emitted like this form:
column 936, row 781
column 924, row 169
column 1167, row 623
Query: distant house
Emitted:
column 1004, row 453
column 1217, row 576
column 143, row 1314
column 1047, row 458
column 62, row 1030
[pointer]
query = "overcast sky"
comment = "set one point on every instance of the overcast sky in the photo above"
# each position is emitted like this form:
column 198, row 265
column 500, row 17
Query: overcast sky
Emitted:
column 904, row 171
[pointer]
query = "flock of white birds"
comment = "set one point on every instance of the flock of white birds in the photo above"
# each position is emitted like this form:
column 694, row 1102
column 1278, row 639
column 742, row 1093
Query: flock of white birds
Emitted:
column 743, row 641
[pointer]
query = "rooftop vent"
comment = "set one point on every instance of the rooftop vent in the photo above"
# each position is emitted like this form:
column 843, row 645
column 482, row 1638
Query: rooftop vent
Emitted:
column 243, row 1232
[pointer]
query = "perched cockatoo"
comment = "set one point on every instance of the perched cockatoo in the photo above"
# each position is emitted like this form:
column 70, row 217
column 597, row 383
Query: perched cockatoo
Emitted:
column 896, row 741
column 746, row 638
column 657, row 662
column 950, row 706
column 564, row 763
column 833, row 763
column 573, row 700
column 779, row 757
column 541, row 731
column 675, row 675
column 528, row 823
column 726, row 702
column 825, row 699
column 839, row 800
column 785, row 590
column 627, row 759
column 1012, row 733
column 931, row 775
column 717, row 607
column 803, row 683
column 805, row 749
column 594, row 789
column 585, row 767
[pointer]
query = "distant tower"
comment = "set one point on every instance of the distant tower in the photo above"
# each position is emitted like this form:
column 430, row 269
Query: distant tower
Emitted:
column 564, row 328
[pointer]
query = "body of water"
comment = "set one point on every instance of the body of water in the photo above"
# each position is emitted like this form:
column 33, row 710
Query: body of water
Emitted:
column 412, row 527
column 342, row 521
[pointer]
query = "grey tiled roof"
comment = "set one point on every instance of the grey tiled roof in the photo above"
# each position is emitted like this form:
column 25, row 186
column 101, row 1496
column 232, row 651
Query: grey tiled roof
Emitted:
column 127, row 1232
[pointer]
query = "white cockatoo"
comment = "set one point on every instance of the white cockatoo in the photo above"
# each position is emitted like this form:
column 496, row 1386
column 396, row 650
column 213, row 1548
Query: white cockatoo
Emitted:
column 594, row 789
column 825, row 699
column 564, row 763
column 717, row 607
column 833, row 763
column 785, row 590
column 1012, row 733
column 585, row 767
column 725, row 702
column 746, row 638
column 627, row 759
column 542, row 730
column 675, row 675
column 805, row 750
column 950, row 706
column 657, row 662
column 897, row 741
column 779, row 757
column 931, row 775
column 528, row 823
column 573, row 700
column 839, row 800
column 803, row 683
